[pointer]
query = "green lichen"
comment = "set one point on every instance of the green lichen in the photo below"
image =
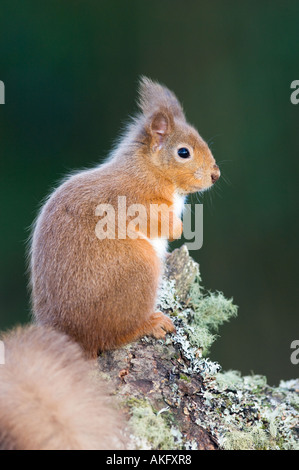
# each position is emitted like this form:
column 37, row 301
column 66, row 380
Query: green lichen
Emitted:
column 232, row 380
column 240, row 412
column 152, row 429
column 184, row 377
column 246, row 413
column 211, row 310
column 251, row 439
column 205, row 313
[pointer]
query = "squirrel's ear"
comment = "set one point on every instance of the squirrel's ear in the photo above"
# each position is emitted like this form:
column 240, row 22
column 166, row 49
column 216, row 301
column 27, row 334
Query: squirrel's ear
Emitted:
column 160, row 126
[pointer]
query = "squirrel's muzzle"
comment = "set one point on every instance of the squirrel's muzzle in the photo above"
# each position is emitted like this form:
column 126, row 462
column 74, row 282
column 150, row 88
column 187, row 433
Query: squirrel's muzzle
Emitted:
column 215, row 174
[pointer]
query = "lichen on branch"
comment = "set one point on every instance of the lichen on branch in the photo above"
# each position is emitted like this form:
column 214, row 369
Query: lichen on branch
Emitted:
column 177, row 398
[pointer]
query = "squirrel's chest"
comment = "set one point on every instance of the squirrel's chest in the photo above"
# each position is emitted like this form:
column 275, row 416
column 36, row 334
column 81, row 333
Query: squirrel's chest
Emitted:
column 160, row 245
column 178, row 204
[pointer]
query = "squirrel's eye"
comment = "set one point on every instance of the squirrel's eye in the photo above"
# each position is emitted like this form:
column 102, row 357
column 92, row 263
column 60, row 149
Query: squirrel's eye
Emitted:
column 183, row 152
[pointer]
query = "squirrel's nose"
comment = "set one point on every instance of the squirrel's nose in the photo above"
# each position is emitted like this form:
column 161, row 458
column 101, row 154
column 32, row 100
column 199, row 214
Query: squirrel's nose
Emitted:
column 216, row 174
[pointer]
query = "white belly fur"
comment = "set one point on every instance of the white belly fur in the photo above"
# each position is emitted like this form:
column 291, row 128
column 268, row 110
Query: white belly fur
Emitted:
column 160, row 245
column 178, row 204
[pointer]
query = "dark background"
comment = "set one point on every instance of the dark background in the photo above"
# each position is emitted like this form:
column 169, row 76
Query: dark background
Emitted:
column 71, row 69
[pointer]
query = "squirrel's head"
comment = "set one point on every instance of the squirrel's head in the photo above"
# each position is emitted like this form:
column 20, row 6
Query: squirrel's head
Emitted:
column 173, row 146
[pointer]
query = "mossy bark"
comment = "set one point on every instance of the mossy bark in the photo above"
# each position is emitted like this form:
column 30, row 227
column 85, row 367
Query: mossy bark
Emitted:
column 174, row 398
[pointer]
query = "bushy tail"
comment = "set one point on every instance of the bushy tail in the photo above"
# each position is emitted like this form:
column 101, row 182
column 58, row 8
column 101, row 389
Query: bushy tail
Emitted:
column 50, row 397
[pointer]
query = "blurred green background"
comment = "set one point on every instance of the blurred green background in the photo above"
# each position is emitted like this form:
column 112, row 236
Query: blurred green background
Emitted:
column 70, row 70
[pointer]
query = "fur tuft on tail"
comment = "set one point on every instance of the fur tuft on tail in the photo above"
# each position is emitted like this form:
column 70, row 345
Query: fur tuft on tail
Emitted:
column 50, row 396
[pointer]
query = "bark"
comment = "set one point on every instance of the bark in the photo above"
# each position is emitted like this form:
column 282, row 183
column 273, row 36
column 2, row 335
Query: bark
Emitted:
column 174, row 398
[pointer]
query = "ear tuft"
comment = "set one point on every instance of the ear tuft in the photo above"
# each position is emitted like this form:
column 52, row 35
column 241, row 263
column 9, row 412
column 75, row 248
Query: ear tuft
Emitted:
column 153, row 96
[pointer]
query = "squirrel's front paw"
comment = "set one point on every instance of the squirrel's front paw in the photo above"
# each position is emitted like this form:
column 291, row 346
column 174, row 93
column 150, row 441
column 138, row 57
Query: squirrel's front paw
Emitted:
column 160, row 325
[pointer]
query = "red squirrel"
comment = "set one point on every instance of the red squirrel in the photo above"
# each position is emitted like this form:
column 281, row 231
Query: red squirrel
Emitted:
column 91, row 294
column 102, row 292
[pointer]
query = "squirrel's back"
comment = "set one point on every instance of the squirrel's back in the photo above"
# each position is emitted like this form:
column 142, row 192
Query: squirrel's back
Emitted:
column 50, row 397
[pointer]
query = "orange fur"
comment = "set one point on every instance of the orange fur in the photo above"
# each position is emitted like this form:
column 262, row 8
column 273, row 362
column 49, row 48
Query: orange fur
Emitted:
column 103, row 292
column 49, row 398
